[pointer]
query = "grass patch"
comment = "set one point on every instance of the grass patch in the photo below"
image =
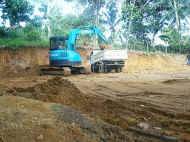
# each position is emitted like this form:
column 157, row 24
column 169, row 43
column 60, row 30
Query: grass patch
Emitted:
column 20, row 43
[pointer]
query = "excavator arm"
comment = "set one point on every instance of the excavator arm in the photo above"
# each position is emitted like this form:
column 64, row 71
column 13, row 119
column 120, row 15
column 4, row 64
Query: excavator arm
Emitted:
column 84, row 31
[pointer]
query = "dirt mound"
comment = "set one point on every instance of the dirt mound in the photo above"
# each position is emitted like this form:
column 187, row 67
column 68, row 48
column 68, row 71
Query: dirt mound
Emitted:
column 63, row 91
column 55, row 90
column 50, row 116
column 28, row 120
column 154, row 63
column 108, row 124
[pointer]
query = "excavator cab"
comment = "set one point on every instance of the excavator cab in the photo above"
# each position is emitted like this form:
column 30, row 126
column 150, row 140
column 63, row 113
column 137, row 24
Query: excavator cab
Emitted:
column 62, row 56
column 57, row 43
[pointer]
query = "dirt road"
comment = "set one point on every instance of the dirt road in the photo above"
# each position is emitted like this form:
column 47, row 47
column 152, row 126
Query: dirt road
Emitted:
column 162, row 100
column 146, row 107
column 171, row 91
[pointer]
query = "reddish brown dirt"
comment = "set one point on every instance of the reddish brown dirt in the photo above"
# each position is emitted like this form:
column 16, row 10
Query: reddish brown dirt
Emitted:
column 25, row 62
column 153, row 98
column 163, row 105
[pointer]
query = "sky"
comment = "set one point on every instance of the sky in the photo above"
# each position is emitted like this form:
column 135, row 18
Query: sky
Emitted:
column 67, row 7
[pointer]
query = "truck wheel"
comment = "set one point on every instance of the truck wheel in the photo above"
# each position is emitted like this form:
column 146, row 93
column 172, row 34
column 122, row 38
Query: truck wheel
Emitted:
column 93, row 68
column 101, row 68
column 105, row 69
column 118, row 69
column 109, row 69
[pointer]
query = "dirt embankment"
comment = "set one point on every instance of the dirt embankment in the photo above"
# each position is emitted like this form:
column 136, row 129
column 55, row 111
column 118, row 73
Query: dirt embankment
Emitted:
column 21, row 62
column 139, row 62
column 24, row 62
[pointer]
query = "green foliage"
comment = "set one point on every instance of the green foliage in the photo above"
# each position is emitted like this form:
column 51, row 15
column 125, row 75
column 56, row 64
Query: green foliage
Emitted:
column 29, row 33
column 148, row 17
column 32, row 33
column 93, row 10
column 65, row 24
column 171, row 36
column 12, row 32
column 130, row 11
column 110, row 18
column 2, row 31
column 133, row 20
column 16, row 11
column 137, row 25
column 15, row 43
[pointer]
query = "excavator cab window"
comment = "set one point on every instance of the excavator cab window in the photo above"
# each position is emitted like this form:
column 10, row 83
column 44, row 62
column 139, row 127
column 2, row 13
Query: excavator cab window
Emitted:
column 58, row 43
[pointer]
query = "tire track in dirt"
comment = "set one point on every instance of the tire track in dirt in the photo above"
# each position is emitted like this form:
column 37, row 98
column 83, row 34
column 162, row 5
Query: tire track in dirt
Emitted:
column 120, row 112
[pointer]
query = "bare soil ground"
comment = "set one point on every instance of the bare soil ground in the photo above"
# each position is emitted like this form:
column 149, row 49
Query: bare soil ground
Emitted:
column 132, row 107
column 148, row 102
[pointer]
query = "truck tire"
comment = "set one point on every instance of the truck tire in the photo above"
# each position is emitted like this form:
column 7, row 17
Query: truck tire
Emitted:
column 109, row 69
column 101, row 68
column 93, row 68
column 118, row 69
column 106, row 70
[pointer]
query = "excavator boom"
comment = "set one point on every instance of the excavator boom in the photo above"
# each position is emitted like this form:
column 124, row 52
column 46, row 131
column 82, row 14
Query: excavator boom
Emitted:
column 92, row 31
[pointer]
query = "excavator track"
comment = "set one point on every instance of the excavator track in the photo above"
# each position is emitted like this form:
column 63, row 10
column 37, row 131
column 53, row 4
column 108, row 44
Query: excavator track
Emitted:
column 48, row 70
column 85, row 70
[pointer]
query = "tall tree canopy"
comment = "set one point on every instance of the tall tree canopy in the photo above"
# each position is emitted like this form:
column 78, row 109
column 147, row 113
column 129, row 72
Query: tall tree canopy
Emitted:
column 16, row 11
column 137, row 20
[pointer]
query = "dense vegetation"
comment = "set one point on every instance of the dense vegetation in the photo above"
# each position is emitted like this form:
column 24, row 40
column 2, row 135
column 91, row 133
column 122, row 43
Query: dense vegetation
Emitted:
column 135, row 24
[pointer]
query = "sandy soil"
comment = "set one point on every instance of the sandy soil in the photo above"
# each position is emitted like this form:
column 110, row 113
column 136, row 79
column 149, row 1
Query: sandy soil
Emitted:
column 154, row 104
column 148, row 102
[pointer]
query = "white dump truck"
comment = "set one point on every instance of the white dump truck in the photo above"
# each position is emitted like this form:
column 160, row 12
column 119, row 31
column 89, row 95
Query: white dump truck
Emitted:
column 108, row 60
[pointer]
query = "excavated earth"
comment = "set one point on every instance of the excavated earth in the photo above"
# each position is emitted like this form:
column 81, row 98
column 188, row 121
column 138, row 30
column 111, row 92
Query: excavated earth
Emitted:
column 148, row 102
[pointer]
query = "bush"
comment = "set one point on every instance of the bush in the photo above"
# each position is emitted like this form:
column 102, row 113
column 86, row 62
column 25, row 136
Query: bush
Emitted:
column 15, row 43
column 2, row 32
column 32, row 33
column 15, row 33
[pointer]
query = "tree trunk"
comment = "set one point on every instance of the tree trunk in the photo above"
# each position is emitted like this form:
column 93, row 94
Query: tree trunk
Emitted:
column 50, row 6
column 178, row 23
column 177, row 15
column 152, row 41
column 130, row 24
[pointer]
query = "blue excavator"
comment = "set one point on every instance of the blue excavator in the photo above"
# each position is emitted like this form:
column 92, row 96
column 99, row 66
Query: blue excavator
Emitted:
column 63, row 56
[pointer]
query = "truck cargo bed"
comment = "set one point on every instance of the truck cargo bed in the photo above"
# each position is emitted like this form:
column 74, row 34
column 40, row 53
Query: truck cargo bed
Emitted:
column 108, row 60
column 108, row 55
